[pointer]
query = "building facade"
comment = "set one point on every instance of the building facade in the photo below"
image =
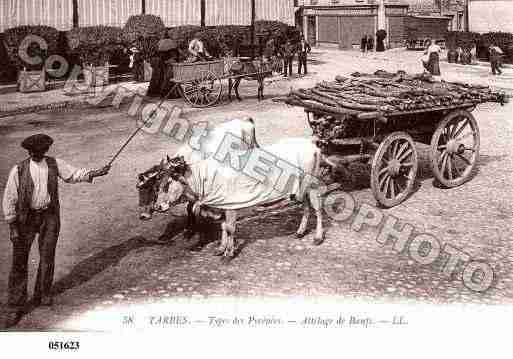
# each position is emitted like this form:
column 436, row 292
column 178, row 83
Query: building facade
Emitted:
column 453, row 10
column 490, row 15
column 345, row 22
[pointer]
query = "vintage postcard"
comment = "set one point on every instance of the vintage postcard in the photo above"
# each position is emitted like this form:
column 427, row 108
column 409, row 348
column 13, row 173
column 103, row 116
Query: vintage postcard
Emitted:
column 256, row 177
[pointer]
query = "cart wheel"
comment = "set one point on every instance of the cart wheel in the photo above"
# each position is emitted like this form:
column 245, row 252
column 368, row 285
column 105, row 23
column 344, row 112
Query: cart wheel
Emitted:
column 455, row 148
column 394, row 169
column 204, row 91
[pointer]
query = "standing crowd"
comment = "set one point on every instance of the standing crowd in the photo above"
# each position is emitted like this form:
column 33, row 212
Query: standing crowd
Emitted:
column 285, row 50
column 367, row 43
column 431, row 58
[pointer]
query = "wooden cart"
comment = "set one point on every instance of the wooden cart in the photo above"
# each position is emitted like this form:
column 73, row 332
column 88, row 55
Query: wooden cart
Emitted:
column 201, row 83
column 388, row 144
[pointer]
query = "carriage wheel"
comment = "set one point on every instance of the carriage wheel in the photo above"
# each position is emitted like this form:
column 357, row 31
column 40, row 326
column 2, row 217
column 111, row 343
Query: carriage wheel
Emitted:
column 455, row 148
column 204, row 91
column 394, row 169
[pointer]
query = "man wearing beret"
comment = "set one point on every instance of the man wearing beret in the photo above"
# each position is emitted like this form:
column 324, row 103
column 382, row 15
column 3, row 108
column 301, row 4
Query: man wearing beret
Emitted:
column 31, row 207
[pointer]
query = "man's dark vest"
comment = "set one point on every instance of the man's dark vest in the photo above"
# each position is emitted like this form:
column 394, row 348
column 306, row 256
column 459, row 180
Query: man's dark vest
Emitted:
column 26, row 188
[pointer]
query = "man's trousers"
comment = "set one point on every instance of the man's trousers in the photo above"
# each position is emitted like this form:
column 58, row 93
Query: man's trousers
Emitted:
column 496, row 66
column 287, row 65
column 301, row 64
column 46, row 225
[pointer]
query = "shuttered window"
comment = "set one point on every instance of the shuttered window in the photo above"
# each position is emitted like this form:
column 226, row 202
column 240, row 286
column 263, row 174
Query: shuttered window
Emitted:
column 328, row 29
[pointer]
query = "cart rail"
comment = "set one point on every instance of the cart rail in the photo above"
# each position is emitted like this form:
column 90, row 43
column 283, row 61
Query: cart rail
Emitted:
column 188, row 71
column 377, row 115
column 191, row 71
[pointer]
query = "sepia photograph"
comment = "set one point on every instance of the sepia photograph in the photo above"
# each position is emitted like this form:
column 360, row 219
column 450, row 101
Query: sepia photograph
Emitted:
column 205, row 173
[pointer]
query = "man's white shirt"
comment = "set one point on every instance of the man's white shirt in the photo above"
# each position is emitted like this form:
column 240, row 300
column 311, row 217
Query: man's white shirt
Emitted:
column 40, row 195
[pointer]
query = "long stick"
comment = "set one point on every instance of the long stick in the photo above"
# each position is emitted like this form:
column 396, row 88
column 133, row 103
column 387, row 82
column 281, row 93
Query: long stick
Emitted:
column 150, row 117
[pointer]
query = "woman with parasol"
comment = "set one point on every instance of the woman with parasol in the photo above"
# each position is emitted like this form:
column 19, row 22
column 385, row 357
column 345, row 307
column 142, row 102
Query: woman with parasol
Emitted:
column 168, row 53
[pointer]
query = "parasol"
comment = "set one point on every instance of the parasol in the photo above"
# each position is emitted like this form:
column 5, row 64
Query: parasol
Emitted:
column 167, row 44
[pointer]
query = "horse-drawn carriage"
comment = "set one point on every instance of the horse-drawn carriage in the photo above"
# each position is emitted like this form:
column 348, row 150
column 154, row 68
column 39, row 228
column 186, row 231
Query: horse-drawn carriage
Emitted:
column 201, row 83
column 376, row 118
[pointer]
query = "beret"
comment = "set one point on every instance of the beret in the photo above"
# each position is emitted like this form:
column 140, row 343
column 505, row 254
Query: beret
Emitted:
column 37, row 143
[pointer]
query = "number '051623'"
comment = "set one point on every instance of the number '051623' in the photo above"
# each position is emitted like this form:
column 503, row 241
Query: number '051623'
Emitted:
column 63, row 345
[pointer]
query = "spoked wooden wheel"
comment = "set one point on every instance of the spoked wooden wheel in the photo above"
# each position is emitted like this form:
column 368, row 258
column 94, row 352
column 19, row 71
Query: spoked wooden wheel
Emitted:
column 204, row 91
column 394, row 169
column 455, row 148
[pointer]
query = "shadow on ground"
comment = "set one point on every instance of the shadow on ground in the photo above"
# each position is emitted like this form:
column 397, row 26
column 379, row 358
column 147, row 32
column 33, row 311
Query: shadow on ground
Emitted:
column 96, row 264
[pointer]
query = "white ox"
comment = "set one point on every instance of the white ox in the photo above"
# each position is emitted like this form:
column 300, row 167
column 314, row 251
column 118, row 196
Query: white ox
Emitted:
column 238, row 177
column 209, row 141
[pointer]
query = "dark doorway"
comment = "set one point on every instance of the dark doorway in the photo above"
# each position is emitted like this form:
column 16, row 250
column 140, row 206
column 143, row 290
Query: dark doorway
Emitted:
column 311, row 31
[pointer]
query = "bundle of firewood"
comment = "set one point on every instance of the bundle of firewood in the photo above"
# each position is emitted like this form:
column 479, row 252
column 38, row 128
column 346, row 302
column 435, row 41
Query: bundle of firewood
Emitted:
column 343, row 108
column 388, row 93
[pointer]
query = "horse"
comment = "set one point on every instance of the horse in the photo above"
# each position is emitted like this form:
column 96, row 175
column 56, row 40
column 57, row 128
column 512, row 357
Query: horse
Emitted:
column 218, row 186
column 148, row 181
column 255, row 70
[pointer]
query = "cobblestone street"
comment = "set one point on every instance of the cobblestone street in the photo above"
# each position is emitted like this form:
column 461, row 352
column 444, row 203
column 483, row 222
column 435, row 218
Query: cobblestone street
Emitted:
column 107, row 257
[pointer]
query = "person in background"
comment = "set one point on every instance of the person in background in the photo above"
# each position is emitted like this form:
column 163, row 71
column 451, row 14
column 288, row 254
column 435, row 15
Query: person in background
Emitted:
column 279, row 54
column 303, row 50
column 473, row 53
column 495, row 59
column 381, row 35
column 288, row 57
column 158, row 66
column 236, row 45
column 136, row 64
column 155, row 81
column 31, row 207
column 271, row 54
column 160, row 83
column 168, row 54
column 197, row 49
column 363, row 43
column 459, row 52
column 432, row 55
column 370, row 43
column 269, row 49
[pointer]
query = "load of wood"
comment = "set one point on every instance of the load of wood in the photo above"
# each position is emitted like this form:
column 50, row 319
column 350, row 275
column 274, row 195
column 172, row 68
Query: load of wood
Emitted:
column 385, row 93
column 344, row 108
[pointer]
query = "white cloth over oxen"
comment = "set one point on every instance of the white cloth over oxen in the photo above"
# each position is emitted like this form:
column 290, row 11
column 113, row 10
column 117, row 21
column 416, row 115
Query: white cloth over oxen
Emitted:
column 238, row 176
column 264, row 175
column 204, row 142
column 212, row 138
